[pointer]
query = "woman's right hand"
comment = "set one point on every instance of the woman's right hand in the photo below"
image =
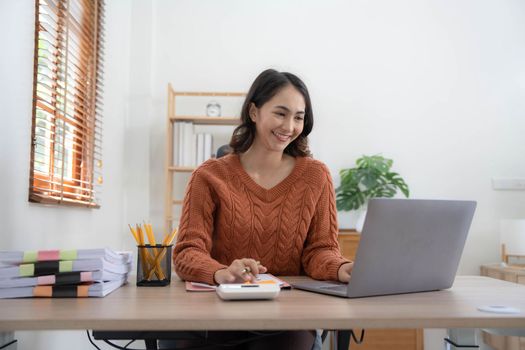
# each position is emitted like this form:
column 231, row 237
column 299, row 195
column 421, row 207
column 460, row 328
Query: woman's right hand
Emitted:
column 240, row 271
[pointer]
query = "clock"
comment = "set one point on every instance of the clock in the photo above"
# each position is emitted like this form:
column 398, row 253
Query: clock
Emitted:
column 213, row 109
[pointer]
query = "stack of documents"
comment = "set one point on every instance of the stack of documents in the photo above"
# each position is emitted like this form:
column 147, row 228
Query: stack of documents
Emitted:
column 62, row 273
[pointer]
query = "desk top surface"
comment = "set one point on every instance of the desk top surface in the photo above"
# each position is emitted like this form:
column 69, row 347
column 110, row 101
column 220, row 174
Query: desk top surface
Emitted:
column 172, row 308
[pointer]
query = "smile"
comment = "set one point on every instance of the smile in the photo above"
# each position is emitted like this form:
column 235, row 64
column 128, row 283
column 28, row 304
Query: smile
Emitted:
column 282, row 137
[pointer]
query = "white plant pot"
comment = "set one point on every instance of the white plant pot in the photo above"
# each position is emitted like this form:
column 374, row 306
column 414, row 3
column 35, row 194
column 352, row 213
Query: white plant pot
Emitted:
column 352, row 219
column 347, row 219
column 360, row 220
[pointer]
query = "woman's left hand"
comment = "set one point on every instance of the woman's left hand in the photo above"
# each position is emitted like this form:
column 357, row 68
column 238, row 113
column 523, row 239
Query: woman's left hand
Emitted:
column 344, row 272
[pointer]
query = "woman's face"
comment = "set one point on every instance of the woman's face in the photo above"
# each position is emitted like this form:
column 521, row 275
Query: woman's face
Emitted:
column 280, row 120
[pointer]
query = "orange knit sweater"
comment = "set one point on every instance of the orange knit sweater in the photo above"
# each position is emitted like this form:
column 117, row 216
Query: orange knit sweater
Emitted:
column 291, row 228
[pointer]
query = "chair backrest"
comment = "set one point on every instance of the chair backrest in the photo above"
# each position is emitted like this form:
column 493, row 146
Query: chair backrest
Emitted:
column 223, row 150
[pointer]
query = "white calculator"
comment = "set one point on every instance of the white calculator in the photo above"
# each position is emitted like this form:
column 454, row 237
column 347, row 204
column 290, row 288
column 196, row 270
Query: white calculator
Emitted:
column 246, row 291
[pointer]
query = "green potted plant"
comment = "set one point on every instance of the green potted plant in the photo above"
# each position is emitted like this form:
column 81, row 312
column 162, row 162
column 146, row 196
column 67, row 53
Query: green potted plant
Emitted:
column 371, row 178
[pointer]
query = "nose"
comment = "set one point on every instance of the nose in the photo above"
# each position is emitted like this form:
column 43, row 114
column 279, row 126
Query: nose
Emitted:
column 288, row 124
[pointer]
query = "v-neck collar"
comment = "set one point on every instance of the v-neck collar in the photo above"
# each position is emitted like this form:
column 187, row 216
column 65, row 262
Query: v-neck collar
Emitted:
column 276, row 190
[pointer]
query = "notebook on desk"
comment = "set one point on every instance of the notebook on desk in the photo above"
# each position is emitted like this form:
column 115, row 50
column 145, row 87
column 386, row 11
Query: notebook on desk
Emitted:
column 406, row 246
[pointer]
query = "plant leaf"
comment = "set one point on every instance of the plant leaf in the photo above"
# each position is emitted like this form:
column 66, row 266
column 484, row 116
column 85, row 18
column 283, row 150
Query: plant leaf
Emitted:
column 370, row 178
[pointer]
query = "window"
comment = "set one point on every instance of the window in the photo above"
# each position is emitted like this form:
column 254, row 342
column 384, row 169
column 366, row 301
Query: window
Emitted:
column 66, row 131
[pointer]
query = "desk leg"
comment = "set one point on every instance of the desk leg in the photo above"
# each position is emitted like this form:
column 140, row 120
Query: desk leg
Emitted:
column 341, row 340
column 151, row 344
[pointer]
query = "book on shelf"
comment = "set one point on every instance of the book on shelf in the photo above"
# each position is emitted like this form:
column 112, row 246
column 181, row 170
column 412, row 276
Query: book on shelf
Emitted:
column 204, row 147
column 187, row 145
column 200, row 148
column 62, row 278
column 95, row 289
column 191, row 149
column 176, row 144
column 208, row 146
column 182, row 160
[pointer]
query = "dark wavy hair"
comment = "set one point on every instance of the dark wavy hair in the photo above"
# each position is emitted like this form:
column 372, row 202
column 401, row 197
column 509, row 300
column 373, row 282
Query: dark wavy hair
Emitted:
column 266, row 86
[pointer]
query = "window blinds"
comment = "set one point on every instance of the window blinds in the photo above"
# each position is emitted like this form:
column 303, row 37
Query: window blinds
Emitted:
column 66, row 131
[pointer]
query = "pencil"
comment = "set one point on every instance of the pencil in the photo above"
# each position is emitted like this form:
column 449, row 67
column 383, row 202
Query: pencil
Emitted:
column 134, row 233
column 168, row 238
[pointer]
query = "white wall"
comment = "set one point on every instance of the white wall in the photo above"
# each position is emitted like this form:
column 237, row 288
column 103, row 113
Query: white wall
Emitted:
column 29, row 226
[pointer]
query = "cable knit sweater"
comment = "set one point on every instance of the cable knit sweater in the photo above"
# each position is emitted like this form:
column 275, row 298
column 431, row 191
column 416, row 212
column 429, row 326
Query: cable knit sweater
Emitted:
column 291, row 228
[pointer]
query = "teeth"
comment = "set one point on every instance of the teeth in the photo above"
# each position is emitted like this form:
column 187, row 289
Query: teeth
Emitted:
column 281, row 136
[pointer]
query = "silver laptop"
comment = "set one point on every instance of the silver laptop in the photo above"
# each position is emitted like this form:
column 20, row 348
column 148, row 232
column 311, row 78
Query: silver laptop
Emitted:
column 407, row 245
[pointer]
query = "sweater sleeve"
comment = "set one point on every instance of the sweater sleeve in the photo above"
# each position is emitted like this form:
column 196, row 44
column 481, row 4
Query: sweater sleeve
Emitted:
column 191, row 255
column 321, row 255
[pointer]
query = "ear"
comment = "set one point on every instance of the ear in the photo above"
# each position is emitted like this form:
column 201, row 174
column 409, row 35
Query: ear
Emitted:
column 253, row 112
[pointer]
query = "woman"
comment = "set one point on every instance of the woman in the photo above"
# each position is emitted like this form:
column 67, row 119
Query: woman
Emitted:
column 267, row 207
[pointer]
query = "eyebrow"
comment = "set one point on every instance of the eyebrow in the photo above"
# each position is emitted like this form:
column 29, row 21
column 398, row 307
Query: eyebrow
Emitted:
column 288, row 109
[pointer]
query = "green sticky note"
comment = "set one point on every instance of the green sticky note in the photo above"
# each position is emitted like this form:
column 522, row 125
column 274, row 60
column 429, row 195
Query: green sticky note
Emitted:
column 65, row 266
column 68, row 255
column 30, row 256
column 27, row 270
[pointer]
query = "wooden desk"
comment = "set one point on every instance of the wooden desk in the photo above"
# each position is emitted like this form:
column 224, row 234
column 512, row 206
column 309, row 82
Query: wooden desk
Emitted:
column 172, row 308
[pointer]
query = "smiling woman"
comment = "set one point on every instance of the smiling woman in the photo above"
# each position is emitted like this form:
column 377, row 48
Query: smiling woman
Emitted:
column 66, row 132
column 266, row 207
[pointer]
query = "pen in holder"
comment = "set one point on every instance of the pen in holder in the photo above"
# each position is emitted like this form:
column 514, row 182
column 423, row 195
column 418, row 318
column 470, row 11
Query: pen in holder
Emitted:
column 154, row 265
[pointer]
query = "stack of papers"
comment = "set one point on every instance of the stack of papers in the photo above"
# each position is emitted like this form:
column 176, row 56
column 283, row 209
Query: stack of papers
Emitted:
column 62, row 273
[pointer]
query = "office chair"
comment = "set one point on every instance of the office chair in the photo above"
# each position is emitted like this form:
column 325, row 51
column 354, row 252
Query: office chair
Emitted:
column 223, row 150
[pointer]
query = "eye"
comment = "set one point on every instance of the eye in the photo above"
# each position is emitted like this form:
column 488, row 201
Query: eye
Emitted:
column 281, row 114
column 299, row 117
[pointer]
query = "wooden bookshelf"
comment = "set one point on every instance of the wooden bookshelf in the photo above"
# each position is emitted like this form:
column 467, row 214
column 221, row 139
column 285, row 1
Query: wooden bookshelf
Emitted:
column 182, row 169
column 203, row 120
column 172, row 170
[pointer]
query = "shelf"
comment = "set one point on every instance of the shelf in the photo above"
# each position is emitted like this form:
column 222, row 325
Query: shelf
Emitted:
column 206, row 120
column 177, row 174
column 193, row 93
column 182, row 169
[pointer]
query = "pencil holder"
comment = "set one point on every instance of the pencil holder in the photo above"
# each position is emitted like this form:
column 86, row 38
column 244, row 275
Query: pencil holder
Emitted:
column 154, row 265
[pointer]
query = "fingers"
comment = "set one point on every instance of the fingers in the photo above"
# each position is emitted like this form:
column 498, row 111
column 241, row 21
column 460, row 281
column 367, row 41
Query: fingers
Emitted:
column 249, row 269
column 251, row 266
column 240, row 270
column 344, row 272
column 246, row 269
column 224, row 276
